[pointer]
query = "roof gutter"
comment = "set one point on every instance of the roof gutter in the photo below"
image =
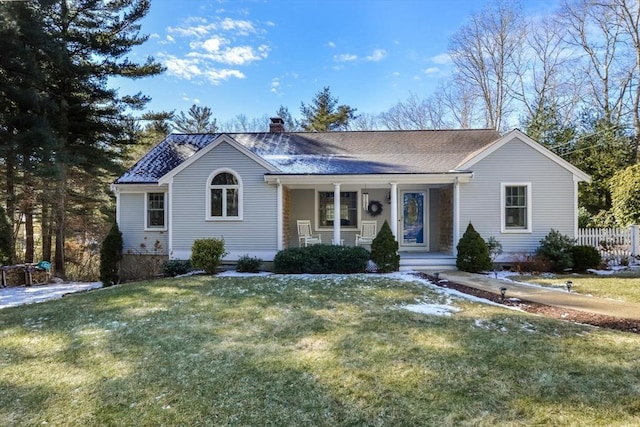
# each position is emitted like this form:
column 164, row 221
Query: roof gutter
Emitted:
column 381, row 179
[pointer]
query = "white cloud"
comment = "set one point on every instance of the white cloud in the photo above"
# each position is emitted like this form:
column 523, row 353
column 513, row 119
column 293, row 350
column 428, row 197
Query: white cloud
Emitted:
column 377, row 55
column 331, row 44
column 212, row 48
column 345, row 57
column 275, row 85
column 441, row 59
column 183, row 68
column 432, row 70
column 243, row 28
column 216, row 76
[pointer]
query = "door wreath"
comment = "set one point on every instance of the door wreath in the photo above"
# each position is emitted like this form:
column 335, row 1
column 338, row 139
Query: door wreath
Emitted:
column 374, row 208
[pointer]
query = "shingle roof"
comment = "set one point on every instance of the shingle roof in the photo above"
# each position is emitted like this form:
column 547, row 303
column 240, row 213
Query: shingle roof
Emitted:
column 327, row 153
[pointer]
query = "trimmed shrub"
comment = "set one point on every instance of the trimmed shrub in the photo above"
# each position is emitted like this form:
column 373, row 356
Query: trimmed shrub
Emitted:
column 174, row 267
column 556, row 247
column 207, row 254
column 585, row 257
column 110, row 257
column 321, row 259
column 384, row 250
column 247, row 264
column 473, row 253
column 6, row 239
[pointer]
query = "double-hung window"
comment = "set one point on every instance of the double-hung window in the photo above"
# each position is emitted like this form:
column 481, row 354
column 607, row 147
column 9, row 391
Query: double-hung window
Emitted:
column 516, row 208
column 348, row 208
column 224, row 196
column 155, row 218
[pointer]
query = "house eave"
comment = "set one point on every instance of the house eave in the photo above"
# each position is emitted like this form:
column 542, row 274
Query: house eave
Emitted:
column 137, row 187
column 293, row 180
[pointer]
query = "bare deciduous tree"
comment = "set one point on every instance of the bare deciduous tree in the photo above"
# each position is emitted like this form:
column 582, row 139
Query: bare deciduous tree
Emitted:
column 486, row 53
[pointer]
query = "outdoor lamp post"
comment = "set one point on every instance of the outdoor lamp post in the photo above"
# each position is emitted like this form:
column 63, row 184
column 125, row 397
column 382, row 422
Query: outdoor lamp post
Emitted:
column 568, row 284
column 436, row 275
column 503, row 290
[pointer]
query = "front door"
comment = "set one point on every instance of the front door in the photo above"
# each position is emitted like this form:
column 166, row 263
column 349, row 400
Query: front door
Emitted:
column 414, row 219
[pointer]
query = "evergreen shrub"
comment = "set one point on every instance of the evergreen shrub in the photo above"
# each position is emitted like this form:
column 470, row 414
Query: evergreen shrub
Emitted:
column 247, row 264
column 321, row 259
column 556, row 247
column 110, row 256
column 585, row 257
column 6, row 239
column 384, row 250
column 174, row 267
column 473, row 252
column 207, row 254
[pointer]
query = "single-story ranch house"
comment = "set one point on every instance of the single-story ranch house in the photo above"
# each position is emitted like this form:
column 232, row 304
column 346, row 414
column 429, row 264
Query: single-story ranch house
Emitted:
column 252, row 189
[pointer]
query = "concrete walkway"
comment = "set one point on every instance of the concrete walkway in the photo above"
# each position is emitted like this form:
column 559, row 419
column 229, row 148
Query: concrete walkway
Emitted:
column 547, row 296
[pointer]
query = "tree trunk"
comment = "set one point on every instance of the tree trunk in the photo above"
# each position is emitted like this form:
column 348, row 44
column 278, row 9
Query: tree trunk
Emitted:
column 60, row 226
column 46, row 232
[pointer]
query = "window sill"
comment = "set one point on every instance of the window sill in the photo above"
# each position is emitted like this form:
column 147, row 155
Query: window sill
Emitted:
column 155, row 229
column 516, row 231
column 222, row 219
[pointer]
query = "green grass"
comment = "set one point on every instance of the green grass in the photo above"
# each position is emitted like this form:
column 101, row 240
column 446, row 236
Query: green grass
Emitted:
column 293, row 351
column 623, row 286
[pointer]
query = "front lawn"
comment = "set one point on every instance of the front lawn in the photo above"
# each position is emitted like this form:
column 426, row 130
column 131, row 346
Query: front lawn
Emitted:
column 623, row 286
column 301, row 350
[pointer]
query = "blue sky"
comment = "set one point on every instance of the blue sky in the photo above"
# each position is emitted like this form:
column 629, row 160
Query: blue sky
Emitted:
column 250, row 57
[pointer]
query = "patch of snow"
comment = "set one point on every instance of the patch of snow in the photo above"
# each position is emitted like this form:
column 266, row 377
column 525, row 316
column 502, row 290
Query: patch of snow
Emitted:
column 233, row 273
column 15, row 296
column 434, row 309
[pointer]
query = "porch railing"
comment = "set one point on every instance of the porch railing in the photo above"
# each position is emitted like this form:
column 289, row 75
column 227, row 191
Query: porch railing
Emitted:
column 612, row 242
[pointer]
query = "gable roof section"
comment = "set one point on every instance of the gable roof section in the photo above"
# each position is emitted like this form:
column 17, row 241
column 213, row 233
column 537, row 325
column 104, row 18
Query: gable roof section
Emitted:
column 321, row 153
column 475, row 157
column 204, row 150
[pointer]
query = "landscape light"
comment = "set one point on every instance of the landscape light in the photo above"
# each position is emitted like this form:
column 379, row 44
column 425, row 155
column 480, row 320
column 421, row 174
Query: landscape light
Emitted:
column 568, row 284
column 503, row 290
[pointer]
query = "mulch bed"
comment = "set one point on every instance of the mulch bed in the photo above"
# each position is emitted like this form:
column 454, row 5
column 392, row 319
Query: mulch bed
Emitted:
column 576, row 316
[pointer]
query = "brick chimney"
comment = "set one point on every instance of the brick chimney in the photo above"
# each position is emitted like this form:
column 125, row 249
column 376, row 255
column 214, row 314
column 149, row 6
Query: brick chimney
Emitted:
column 276, row 125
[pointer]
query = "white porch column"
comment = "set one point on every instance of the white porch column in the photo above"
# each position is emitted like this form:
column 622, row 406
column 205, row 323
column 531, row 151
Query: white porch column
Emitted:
column 394, row 210
column 456, row 216
column 279, row 216
column 169, row 218
column 336, row 213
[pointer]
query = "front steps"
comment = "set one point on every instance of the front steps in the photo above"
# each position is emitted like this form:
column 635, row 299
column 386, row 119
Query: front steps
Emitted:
column 431, row 261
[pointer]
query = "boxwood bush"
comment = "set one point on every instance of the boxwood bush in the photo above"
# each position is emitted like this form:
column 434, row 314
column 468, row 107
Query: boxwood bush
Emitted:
column 321, row 259
column 174, row 267
column 207, row 254
column 248, row 264
column 585, row 257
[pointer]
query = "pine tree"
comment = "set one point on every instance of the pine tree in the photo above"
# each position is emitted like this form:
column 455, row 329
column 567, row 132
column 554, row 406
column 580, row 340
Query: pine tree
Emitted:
column 110, row 257
column 324, row 114
column 197, row 120
column 384, row 250
column 473, row 253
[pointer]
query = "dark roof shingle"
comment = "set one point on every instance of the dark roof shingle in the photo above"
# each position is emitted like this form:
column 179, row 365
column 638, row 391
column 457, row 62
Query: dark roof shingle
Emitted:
column 327, row 153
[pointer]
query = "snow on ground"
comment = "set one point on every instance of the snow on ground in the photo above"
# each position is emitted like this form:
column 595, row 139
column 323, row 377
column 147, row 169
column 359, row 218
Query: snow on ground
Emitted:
column 14, row 296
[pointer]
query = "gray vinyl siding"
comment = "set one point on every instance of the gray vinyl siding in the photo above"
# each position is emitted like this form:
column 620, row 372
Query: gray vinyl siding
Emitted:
column 255, row 233
column 552, row 191
column 132, row 226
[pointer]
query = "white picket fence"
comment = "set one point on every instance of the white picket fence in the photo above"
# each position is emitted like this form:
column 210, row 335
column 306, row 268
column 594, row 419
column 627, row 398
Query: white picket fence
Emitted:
column 612, row 242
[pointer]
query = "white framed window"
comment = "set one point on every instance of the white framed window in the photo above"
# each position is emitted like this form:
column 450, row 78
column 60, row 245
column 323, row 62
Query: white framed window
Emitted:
column 224, row 196
column 516, row 207
column 155, row 211
column 348, row 208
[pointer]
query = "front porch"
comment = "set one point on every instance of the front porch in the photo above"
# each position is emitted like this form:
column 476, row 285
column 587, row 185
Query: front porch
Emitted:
column 421, row 212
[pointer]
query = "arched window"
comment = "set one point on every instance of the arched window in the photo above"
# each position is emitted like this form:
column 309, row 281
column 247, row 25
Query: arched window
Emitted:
column 224, row 194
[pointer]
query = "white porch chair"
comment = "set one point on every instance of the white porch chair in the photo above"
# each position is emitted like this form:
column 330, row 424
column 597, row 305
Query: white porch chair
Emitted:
column 368, row 232
column 305, row 237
